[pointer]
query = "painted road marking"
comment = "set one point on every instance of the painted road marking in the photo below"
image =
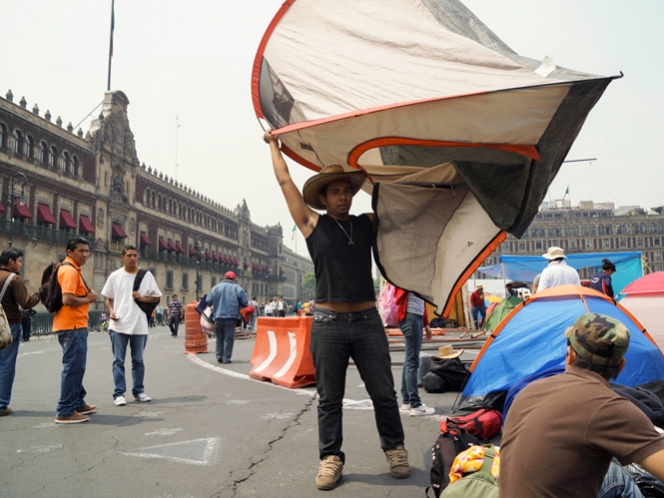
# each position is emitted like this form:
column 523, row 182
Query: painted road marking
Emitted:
column 45, row 425
column 279, row 416
column 41, row 449
column 163, row 432
column 147, row 414
column 196, row 452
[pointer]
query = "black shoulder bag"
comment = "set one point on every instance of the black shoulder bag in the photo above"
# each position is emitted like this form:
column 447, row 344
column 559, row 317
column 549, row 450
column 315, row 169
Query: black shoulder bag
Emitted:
column 147, row 308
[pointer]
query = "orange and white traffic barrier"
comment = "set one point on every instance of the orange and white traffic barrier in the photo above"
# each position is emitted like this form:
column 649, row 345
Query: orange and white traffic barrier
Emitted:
column 281, row 353
column 195, row 339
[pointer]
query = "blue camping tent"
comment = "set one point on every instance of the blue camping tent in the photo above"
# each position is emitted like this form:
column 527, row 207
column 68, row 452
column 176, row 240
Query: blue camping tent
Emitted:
column 526, row 268
column 531, row 339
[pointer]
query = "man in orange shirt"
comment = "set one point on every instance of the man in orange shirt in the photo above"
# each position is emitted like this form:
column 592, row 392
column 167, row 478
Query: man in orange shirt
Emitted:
column 71, row 324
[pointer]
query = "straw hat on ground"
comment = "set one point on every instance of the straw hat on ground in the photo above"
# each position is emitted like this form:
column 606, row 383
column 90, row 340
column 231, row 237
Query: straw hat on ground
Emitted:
column 314, row 185
column 447, row 352
column 554, row 253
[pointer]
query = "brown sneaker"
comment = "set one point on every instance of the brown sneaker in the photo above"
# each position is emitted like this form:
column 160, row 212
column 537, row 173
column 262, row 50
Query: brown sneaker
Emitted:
column 6, row 411
column 397, row 459
column 329, row 472
column 76, row 418
column 86, row 409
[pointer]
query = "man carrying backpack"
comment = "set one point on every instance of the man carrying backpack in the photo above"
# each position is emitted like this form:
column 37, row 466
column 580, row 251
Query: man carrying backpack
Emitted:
column 129, row 323
column 13, row 294
column 71, row 324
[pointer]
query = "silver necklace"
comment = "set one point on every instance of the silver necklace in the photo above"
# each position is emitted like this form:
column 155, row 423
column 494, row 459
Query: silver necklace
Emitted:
column 350, row 237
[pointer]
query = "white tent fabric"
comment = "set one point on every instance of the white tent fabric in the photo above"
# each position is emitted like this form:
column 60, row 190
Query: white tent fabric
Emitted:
column 648, row 310
column 430, row 104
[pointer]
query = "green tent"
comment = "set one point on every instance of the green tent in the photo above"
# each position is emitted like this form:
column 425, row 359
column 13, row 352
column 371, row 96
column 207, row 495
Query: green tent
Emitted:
column 500, row 311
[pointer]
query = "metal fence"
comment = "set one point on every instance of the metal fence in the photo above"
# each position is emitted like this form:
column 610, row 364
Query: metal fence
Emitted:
column 42, row 323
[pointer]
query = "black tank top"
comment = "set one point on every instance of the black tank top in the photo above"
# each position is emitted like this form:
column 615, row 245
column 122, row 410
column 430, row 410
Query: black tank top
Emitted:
column 343, row 270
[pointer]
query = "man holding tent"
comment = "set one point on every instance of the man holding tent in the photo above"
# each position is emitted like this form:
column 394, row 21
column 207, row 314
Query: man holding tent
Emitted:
column 562, row 432
column 346, row 323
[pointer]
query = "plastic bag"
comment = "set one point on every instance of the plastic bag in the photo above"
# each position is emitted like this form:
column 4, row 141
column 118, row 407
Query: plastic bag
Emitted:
column 387, row 306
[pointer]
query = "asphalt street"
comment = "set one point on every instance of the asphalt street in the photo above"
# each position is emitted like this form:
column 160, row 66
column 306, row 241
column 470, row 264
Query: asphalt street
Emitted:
column 209, row 431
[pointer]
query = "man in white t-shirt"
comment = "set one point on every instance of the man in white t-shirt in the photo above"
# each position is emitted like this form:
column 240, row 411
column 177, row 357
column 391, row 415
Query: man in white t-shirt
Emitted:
column 129, row 323
column 557, row 272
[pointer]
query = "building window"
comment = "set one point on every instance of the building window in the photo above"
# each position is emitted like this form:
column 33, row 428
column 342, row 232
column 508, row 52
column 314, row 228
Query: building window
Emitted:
column 29, row 150
column 213, row 282
column 618, row 229
column 538, row 245
column 589, row 243
column 658, row 228
column 639, row 241
column 185, row 281
column 623, row 242
column 609, row 229
column 572, row 244
column 658, row 255
column 75, row 166
column 643, row 228
column 600, row 229
column 575, row 231
column 52, row 156
column 651, row 228
column 656, row 241
column 169, row 279
column 17, row 146
column 66, row 162
column 635, row 228
column 199, row 283
column 43, row 153
column 606, row 242
column 551, row 231
column 568, row 230
column 3, row 136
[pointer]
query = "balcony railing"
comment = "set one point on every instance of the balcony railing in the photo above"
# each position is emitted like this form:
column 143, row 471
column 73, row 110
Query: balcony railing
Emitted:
column 41, row 233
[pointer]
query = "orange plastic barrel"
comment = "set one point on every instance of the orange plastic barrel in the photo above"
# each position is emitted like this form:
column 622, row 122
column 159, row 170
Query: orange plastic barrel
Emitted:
column 195, row 339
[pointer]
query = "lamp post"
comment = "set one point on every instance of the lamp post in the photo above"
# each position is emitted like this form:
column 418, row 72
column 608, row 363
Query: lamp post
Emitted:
column 198, row 249
column 10, row 197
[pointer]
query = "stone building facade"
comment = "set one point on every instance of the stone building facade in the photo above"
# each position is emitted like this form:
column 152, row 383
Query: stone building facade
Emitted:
column 94, row 186
column 589, row 228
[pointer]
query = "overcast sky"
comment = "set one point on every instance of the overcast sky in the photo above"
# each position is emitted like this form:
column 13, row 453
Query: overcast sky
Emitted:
column 193, row 60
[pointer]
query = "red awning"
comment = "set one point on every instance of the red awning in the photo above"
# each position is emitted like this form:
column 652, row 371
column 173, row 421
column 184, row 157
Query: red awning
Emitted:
column 86, row 225
column 225, row 260
column 235, row 263
column 207, row 256
column 192, row 251
column 162, row 245
column 145, row 241
column 22, row 211
column 66, row 221
column 171, row 246
column 215, row 257
column 2, row 208
column 44, row 214
column 179, row 248
column 117, row 232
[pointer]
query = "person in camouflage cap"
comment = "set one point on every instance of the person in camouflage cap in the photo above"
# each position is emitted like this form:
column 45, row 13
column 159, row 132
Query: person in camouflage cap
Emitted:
column 599, row 339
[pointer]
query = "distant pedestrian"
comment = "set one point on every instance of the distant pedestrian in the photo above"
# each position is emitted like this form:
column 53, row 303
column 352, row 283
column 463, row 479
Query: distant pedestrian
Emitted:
column 557, row 272
column 254, row 316
column 601, row 282
column 282, row 307
column 271, row 308
column 129, row 323
column 478, row 306
column 71, row 324
column 227, row 298
column 175, row 308
column 159, row 310
column 26, row 324
column 13, row 296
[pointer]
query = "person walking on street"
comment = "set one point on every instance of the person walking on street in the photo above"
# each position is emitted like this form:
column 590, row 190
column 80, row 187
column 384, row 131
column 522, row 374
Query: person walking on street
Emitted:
column 346, row 323
column 175, row 308
column 26, row 324
column 227, row 298
column 254, row 316
column 13, row 296
column 129, row 323
column 159, row 311
column 282, row 307
column 71, row 324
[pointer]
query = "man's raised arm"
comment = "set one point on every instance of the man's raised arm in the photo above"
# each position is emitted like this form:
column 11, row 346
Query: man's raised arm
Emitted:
column 305, row 218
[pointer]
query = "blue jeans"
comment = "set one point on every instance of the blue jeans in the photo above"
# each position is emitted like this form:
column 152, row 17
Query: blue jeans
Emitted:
column 74, row 357
column 224, row 331
column 618, row 484
column 119, row 344
column 8, row 365
column 252, row 321
column 476, row 312
column 411, row 326
column 335, row 338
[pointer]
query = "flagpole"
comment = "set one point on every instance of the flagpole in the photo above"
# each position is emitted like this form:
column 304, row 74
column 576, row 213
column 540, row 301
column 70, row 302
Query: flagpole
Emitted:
column 110, row 49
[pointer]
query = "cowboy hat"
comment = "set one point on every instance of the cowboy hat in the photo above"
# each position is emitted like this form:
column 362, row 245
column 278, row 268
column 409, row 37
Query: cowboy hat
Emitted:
column 554, row 253
column 314, row 185
column 447, row 352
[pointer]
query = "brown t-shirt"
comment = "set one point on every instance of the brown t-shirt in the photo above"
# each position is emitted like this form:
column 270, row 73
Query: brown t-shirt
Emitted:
column 16, row 296
column 561, row 433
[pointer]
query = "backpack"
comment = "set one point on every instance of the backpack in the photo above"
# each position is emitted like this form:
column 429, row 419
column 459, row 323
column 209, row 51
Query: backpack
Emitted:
column 445, row 374
column 480, row 484
column 445, row 449
column 484, row 423
column 50, row 292
column 387, row 305
column 147, row 308
column 6, row 337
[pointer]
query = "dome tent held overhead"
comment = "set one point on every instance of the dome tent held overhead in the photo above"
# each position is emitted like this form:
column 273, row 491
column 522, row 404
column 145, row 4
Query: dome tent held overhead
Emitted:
column 459, row 135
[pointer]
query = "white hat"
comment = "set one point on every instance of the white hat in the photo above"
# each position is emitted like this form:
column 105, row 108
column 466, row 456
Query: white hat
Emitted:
column 554, row 253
